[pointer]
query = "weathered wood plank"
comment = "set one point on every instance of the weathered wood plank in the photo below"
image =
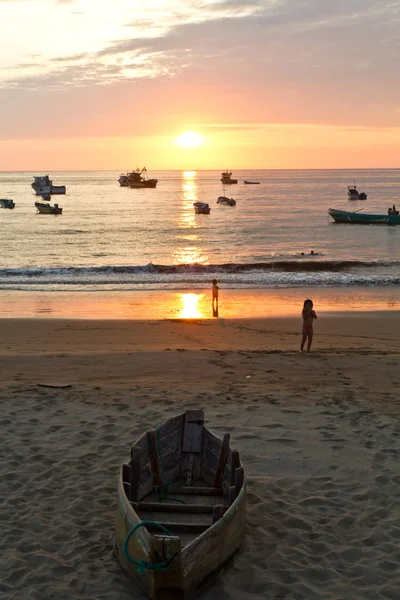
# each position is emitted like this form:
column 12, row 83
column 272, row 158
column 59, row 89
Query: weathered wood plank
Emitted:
column 235, row 463
column 135, row 473
column 218, row 512
column 212, row 442
column 222, row 460
column 174, row 527
column 239, row 478
column 210, row 459
column 193, row 490
column 155, row 465
column 167, row 549
column 187, row 437
column 194, row 416
column 177, row 507
column 232, row 494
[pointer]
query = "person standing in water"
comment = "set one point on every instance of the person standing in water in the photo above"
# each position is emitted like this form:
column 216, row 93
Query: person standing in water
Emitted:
column 308, row 315
column 215, row 289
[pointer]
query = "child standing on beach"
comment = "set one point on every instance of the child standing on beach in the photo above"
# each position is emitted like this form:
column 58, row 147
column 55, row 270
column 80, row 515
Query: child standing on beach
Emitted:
column 308, row 315
column 215, row 289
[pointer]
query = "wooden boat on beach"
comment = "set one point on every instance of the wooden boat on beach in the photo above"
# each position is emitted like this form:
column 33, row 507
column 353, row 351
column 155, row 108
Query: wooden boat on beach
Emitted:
column 343, row 216
column 181, row 507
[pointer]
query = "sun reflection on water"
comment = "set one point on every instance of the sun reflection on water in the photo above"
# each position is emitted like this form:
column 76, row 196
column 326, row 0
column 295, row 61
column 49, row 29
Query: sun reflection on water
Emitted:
column 190, row 306
column 187, row 223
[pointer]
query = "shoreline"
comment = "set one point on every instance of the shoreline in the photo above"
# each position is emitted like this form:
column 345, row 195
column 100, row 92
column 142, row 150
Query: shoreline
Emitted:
column 194, row 304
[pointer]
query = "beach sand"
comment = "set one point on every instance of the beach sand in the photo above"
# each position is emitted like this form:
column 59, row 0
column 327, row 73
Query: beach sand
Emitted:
column 318, row 434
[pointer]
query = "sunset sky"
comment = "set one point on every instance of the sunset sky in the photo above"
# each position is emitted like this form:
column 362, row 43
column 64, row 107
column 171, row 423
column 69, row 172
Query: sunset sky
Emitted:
column 100, row 84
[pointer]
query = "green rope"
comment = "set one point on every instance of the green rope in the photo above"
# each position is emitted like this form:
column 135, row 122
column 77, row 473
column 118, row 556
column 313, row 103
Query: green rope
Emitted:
column 142, row 565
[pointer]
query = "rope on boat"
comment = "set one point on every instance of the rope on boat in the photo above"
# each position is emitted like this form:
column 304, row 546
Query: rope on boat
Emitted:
column 142, row 565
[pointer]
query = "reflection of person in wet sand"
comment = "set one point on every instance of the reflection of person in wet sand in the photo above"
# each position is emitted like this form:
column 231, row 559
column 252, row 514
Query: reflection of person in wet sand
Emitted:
column 215, row 289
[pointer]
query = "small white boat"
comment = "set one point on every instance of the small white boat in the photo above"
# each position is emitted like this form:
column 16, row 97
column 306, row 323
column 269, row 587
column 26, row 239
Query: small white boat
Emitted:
column 354, row 194
column 201, row 208
column 5, row 203
column 226, row 201
column 44, row 208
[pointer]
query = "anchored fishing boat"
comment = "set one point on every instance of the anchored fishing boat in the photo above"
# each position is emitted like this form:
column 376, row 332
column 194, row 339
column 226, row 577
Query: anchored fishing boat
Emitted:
column 181, row 507
column 226, row 201
column 354, row 194
column 201, row 208
column 138, row 179
column 44, row 185
column 226, row 178
column 5, row 203
column 343, row 216
column 47, row 209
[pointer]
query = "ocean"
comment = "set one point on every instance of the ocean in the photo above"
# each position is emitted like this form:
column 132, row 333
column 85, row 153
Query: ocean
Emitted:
column 111, row 238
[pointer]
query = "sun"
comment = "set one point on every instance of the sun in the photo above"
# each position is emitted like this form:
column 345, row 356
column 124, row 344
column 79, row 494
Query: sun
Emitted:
column 189, row 139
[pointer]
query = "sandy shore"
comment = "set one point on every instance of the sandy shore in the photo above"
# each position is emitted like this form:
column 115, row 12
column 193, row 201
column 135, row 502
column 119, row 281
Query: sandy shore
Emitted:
column 318, row 434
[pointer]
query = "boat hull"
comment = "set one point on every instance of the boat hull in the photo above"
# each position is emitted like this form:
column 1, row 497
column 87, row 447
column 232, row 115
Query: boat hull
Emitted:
column 252, row 182
column 218, row 477
column 226, row 201
column 5, row 203
column 148, row 183
column 48, row 209
column 342, row 216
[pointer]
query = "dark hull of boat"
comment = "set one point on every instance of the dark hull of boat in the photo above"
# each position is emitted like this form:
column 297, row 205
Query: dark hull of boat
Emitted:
column 4, row 203
column 229, row 181
column 226, row 201
column 47, row 209
column 342, row 216
column 148, row 183
column 252, row 182
column 187, row 480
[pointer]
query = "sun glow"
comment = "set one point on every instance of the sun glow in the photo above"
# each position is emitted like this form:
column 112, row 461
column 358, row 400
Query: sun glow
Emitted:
column 189, row 139
column 191, row 309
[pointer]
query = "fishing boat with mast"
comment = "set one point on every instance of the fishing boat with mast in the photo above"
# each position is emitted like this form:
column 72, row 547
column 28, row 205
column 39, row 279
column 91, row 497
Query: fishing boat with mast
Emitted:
column 226, row 178
column 181, row 509
column 137, row 179
column 354, row 194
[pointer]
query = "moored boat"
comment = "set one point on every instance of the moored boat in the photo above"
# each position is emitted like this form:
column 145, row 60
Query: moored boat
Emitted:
column 138, row 179
column 5, row 203
column 354, row 194
column 343, row 216
column 251, row 182
column 45, row 208
column 226, row 178
column 201, row 208
column 43, row 185
column 226, row 201
column 181, row 511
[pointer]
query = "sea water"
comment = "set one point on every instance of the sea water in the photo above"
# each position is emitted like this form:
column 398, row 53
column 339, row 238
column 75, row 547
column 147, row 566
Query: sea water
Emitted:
column 111, row 238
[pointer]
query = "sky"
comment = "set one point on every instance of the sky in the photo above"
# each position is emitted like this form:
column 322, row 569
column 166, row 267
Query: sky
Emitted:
column 100, row 84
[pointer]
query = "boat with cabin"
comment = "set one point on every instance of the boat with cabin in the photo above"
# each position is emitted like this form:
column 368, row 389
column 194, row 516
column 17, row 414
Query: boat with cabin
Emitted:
column 354, row 194
column 201, row 208
column 138, row 179
column 226, row 178
column 181, row 507
column 226, row 201
column 5, row 203
column 44, row 185
column 44, row 208
column 343, row 216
